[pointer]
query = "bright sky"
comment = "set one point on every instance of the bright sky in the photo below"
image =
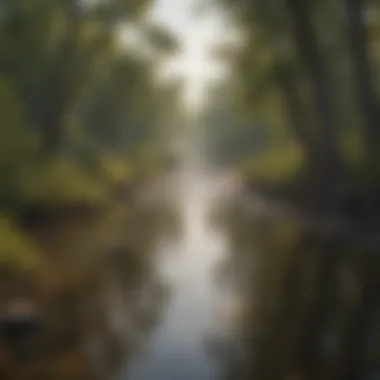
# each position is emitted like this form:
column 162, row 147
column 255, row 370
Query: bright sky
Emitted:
column 197, row 35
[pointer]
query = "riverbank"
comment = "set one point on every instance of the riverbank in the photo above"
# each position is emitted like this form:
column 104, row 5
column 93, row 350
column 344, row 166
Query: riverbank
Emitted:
column 315, row 280
column 78, row 250
column 344, row 207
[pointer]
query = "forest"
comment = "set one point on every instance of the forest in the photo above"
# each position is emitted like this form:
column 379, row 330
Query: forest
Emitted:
column 87, row 125
column 83, row 110
column 85, row 117
column 305, row 80
column 305, row 76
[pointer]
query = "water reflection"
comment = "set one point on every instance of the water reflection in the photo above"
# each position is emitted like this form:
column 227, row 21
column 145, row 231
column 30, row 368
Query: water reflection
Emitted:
column 310, row 307
column 177, row 348
column 102, row 297
column 196, row 285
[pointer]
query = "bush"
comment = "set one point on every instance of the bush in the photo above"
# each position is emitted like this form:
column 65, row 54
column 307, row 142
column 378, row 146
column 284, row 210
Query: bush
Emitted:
column 59, row 182
column 114, row 169
column 275, row 165
column 17, row 251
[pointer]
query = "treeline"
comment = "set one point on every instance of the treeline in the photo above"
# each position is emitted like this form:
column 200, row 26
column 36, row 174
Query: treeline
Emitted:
column 310, row 69
column 84, row 117
column 82, row 108
column 230, row 136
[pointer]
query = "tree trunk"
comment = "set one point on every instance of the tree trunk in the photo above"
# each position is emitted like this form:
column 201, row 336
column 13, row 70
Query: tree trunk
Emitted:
column 297, row 119
column 60, row 90
column 328, row 161
column 365, row 92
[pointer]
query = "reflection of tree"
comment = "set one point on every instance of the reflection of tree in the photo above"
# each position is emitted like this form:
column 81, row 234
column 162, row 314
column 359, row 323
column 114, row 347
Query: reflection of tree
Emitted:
column 133, row 295
column 94, row 321
column 125, row 320
column 314, row 312
column 227, row 343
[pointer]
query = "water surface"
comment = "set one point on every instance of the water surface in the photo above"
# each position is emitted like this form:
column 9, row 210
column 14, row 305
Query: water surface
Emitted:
column 177, row 348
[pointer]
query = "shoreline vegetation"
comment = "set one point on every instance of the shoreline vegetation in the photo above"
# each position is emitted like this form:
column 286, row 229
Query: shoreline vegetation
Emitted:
column 82, row 127
column 58, row 264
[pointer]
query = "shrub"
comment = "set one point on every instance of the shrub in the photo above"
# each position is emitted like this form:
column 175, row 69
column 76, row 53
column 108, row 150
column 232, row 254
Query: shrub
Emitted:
column 17, row 250
column 275, row 165
column 59, row 182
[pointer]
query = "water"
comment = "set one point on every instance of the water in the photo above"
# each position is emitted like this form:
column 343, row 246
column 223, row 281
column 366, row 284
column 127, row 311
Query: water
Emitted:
column 238, row 294
column 176, row 350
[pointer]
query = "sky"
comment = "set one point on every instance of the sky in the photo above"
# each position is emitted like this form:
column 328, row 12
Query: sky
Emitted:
column 197, row 34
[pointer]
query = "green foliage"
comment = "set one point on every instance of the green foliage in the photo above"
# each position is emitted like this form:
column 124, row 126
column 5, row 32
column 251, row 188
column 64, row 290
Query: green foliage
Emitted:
column 59, row 181
column 16, row 140
column 115, row 169
column 77, row 107
column 68, row 88
column 311, row 76
column 353, row 147
column 17, row 251
column 279, row 164
column 310, row 71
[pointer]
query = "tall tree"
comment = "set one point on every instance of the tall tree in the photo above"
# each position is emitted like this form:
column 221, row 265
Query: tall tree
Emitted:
column 61, row 88
column 327, row 160
column 294, row 106
column 363, row 76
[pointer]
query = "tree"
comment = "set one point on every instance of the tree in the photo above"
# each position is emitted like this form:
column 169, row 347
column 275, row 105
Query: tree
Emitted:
column 327, row 148
column 363, row 76
column 85, row 92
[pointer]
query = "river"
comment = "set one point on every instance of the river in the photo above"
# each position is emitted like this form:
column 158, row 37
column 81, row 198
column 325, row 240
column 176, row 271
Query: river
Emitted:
column 258, row 294
column 192, row 281
column 177, row 349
